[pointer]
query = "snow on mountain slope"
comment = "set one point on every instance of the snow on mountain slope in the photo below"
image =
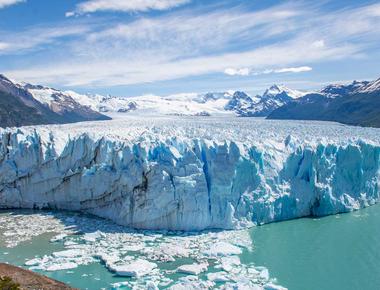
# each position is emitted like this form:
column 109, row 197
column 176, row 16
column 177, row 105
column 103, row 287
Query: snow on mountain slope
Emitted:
column 338, row 90
column 187, row 104
column 261, row 106
column 357, row 103
column 63, row 104
column 370, row 87
column 276, row 90
column 104, row 104
column 241, row 103
column 179, row 104
column 40, row 105
column 191, row 173
column 184, row 104
column 274, row 97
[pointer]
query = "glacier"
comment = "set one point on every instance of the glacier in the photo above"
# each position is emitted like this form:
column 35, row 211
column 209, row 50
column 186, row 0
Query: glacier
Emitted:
column 191, row 173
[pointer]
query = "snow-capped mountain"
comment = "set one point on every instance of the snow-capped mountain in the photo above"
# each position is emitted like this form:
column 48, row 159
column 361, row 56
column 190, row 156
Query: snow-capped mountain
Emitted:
column 370, row 87
column 241, row 104
column 357, row 103
column 274, row 97
column 25, row 104
column 193, row 104
column 104, row 104
column 190, row 104
column 261, row 106
column 63, row 104
column 337, row 90
column 186, row 104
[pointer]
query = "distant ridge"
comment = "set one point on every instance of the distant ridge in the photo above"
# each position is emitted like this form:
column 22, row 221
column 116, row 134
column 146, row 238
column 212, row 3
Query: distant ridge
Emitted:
column 357, row 103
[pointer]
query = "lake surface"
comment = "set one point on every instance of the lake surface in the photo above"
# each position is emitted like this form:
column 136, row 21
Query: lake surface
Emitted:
column 335, row 252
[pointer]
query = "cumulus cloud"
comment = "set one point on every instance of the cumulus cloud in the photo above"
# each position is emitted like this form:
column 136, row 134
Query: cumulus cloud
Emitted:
column 92, row 6
column 237, row 72
column 5, row 3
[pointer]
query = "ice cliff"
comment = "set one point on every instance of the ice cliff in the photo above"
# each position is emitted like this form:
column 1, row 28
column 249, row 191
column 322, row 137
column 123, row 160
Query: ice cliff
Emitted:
column 187, row 174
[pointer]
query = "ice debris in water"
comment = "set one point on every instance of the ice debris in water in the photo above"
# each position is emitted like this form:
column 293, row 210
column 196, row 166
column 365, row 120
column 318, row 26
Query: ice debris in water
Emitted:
column 16, row 228
column 144, row 256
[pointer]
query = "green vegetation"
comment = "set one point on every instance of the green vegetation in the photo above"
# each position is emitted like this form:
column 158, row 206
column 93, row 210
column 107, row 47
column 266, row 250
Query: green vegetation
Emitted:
column 6, row 283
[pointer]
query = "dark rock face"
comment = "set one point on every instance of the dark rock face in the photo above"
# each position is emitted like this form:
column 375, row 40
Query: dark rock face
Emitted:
column 130, row 107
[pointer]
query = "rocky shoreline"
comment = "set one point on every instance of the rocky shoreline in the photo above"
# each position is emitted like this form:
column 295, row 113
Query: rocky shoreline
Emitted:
column 30, row 280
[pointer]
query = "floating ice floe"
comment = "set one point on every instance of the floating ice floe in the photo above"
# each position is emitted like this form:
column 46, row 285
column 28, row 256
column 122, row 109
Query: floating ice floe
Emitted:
column 193, row 269
column 136, row 268
column 223, row 249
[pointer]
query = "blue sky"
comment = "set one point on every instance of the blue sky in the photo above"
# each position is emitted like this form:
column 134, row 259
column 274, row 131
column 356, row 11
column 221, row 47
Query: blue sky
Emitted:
column 133, row 47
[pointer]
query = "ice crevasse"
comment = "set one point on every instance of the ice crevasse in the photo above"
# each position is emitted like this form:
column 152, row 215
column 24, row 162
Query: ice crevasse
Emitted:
column 191, row 183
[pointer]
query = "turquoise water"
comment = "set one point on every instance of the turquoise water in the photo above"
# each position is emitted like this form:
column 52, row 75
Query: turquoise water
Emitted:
column 87, row 250
column 92, row 276
column 335, row 252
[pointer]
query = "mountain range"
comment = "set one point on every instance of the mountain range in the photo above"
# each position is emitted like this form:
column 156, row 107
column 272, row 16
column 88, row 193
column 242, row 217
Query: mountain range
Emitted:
column 190, row 104
column 357, row 103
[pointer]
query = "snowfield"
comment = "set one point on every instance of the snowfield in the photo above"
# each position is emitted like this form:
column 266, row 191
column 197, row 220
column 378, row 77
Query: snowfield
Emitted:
column 191, row 173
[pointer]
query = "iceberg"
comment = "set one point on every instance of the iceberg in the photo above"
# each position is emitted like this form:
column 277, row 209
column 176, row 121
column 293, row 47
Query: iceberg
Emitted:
column 190, row 173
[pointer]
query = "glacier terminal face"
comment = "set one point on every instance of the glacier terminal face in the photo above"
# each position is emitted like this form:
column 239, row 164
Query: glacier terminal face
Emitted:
column 191, row 173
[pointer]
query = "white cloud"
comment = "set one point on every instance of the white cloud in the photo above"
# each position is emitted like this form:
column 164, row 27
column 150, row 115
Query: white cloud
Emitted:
column 193, row 43
column 319, row 43
column 293, row 69
column 36, row 37
column 126, row 71
column 124, row 5
column 5, row 3
column 3, row 46
column 247, row 71
column 237, row 72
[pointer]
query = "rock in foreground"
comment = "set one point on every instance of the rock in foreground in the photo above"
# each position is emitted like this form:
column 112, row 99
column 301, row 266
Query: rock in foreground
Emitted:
column 30, row 280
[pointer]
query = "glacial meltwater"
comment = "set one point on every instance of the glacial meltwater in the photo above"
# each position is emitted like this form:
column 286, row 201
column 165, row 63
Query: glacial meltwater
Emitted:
column 334, row 252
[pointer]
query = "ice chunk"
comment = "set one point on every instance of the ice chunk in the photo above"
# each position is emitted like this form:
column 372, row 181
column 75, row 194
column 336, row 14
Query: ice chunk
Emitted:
column 69, row 253
column 193, row 269
column 229, row 263
column 191, row 283
column 223, row 249
column 218, row 277
column 136, row 268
